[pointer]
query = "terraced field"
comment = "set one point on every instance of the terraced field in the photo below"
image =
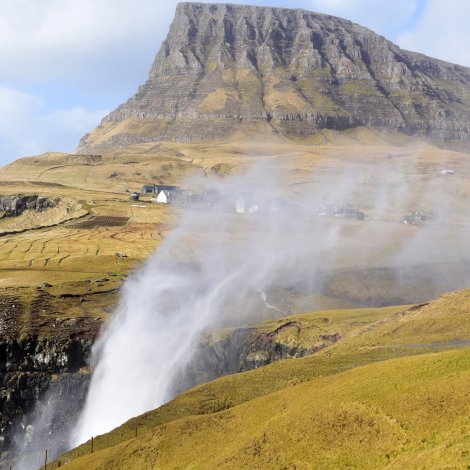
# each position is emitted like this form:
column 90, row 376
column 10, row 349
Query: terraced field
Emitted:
column 103, row 221
column 97, row 188
column 70, row 252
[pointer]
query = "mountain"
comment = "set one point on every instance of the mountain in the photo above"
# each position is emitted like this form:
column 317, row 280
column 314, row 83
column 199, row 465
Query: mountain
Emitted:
column 227, row 69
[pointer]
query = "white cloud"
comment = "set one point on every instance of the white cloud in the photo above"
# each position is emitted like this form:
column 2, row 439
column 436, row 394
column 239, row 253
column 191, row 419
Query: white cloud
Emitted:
column 26, row 129
column 14, row 105
column 56, row 39
column 442, row 32
column 57, row 45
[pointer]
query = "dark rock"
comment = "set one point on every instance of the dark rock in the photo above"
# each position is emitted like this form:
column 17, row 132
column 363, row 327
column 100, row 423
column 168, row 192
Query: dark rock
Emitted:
column 47, row 351
column 244, row 349
column 15, row 205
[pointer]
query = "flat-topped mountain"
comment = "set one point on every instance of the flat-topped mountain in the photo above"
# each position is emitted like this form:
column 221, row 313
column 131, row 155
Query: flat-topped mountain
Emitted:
column 226, row 68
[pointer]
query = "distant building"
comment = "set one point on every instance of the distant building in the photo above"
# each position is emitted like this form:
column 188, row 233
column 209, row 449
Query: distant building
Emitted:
column 189, row 198
column 415, row 218
column 447, row 172
column 211, row 196
column 148, row 189
column 157, row 188
column 169, row 196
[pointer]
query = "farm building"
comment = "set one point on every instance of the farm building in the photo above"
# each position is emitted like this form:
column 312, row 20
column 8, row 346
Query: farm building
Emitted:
column 157, row 188
column 210, row 196
column 148, row 189
column 246, row 204
column 169, row 196
column 447, row 172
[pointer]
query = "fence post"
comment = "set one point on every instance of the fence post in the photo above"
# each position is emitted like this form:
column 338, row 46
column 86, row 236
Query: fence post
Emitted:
column 92, row 444
column 45, row 461
column 135, row 432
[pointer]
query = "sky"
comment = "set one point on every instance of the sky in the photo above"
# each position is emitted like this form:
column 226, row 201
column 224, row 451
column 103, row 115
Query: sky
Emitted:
column 66, row 63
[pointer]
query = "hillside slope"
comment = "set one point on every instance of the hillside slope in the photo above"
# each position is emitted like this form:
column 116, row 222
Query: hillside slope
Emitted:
column 410, row 412
column 85, row 261
column 407, row 413
column 286, row 72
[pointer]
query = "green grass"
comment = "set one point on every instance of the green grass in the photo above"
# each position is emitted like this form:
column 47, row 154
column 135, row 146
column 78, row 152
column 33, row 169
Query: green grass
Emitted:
column 406, row 413
column 359, row 88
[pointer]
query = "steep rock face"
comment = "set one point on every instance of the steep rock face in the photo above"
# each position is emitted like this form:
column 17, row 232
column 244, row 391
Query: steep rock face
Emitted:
column 250, row 348
column 11, row 206
column 226, row 68
column 39, row 352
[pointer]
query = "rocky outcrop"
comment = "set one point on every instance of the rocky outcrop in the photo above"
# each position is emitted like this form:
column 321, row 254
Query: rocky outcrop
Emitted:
column 13, row 205
column 247, row 349
column 227, row 68
column 39, row 352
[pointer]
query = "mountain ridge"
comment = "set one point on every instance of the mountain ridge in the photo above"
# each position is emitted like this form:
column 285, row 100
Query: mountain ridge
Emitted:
column 288, row 72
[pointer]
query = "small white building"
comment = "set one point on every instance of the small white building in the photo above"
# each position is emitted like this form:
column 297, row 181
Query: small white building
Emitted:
column 446, row 172
column 168, row 196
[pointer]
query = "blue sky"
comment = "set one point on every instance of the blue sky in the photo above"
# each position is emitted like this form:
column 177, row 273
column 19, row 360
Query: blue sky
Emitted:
column 66, row 63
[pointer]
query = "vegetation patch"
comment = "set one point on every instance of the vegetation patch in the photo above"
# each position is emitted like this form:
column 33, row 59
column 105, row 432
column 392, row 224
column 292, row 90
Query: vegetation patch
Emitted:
column 103, row 221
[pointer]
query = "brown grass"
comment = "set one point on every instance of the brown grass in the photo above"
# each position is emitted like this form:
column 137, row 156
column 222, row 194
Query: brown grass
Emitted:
column 323, row 411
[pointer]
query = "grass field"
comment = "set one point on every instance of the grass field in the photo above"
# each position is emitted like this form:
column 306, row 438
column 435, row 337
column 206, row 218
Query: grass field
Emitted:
column 100, row 185
column 393, row 394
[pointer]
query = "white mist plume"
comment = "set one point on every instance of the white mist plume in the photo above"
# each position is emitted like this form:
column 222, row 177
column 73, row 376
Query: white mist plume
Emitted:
column 217, row 265
column 208, row 272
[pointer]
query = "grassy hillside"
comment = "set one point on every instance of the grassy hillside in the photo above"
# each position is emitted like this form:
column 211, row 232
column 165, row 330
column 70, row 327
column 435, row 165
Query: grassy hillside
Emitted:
column 393, row 394
column 407, row 413
column 71, row 269
column 100, row 186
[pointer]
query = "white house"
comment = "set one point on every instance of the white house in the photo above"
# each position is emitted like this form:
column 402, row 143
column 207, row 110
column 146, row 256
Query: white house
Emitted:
column 447, row 172
column 168, row 196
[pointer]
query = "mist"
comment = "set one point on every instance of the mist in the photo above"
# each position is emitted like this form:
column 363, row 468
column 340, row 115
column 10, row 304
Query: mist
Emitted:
column 230, row 264
column 212, row 271
column 271, row 243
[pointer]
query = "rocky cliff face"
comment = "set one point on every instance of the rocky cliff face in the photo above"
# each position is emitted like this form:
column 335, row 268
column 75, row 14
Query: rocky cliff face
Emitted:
column 13, row 205
column 227, row 68
column 250, row 348
column 40, row 349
